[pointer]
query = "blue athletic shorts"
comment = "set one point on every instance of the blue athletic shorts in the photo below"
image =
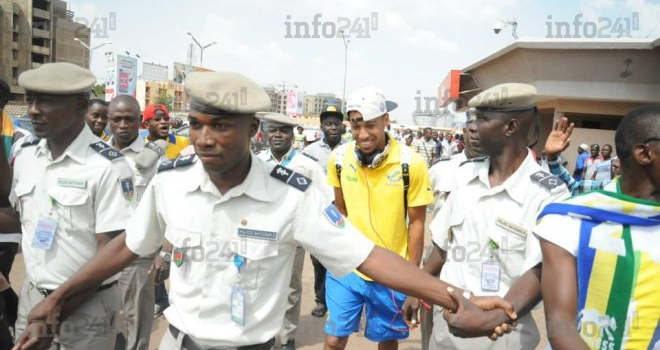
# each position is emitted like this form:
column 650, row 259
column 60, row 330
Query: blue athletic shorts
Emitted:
column 345, row 298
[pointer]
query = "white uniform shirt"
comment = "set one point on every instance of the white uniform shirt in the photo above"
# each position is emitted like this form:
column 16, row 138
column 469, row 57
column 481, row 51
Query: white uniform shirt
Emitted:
column 82, row 190
column 303, row 165
column 141, row 178
column 272, row 217
column 505, row 214
column 443, row 175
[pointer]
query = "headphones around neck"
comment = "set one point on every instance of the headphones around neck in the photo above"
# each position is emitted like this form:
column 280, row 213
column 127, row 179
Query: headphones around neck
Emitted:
column 375, row 159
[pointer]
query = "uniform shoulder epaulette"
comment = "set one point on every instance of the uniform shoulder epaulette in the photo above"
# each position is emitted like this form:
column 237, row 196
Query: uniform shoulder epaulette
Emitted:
column 291, row 177
column 106, row 151
column 546, row 180
column 31, row 142
column 176, row 163
column 310, row 156
column 474, row 160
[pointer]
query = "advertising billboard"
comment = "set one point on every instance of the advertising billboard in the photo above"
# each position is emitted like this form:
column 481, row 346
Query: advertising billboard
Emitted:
column 294, row 103
column 126, row 75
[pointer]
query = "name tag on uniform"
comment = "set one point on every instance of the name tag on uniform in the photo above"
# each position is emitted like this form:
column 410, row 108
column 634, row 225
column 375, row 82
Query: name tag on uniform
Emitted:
column 511, row 227
column 267, row 235
column 238, row 305
column 71, row 182
column 44, row 234
column 490, row 276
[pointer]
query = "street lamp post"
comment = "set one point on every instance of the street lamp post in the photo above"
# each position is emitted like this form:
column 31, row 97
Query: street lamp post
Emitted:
column 90, row 49
column 201, row 48
column 343, row 95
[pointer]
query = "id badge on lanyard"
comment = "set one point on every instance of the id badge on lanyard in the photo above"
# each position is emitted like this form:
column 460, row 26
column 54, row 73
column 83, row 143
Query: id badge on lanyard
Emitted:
column 490, row 271
column 44, row 235
column 238, row 302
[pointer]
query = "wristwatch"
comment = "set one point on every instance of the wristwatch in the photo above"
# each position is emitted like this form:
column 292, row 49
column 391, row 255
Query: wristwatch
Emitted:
column 166, row 256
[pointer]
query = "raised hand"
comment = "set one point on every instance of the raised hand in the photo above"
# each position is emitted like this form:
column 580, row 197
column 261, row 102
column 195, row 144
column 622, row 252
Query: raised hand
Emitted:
column 559, row 138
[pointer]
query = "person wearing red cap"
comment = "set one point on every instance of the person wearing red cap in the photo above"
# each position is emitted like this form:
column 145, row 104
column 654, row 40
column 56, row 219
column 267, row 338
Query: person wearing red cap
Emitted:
column 157, row 121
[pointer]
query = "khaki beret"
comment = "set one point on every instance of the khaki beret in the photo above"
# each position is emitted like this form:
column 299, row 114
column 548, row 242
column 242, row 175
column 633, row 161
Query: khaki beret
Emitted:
column 60, row 78
column 279, row 119
column 222, row 92
column 509, row 97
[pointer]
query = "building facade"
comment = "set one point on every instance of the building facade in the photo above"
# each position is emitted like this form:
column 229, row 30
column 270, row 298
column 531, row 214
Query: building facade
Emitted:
column 34, row 32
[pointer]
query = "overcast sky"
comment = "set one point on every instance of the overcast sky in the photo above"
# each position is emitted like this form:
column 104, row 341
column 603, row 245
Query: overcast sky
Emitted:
column 411, row 45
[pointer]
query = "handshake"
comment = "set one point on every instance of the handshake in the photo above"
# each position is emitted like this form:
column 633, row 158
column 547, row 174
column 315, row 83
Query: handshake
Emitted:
column 474, row 317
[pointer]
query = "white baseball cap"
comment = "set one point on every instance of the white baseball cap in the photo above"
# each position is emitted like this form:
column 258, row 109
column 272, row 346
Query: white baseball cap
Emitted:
column 370, row 102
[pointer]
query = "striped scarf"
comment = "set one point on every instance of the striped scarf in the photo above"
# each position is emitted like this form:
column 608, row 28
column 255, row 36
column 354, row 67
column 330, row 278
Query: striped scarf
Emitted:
column 618, row 268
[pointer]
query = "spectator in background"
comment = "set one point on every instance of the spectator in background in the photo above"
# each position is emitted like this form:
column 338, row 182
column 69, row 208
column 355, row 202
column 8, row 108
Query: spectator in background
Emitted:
column 97, row 118
column 426, row 147
column 157, row 121
column 299, row 138
column 409, row 140
column 604, row 168
column 445, row 145
column 591, row 162
column 345, row 134
column 583, row 154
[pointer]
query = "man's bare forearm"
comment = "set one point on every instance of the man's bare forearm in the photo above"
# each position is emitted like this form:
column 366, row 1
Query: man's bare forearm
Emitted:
column 10, row 222
column 395, row 272
column 435, row 261
column 416, row 243
column 524, row 295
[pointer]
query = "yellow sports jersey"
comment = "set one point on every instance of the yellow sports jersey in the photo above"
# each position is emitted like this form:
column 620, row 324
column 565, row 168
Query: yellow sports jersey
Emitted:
column 175, row 144
column 374, row 197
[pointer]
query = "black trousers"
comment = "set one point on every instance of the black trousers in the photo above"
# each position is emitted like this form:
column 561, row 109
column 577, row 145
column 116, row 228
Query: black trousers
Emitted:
column 8, row 299
column 319, row 280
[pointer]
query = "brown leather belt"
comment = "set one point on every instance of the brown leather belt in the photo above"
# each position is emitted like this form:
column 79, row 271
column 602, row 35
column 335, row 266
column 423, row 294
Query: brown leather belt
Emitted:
column 189, row 344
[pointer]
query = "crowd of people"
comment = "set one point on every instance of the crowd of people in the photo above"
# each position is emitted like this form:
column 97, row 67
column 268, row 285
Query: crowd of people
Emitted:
column 108, row 203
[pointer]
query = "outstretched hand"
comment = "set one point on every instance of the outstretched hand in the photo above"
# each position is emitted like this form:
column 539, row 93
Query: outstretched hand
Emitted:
column 472, row 320
column 559, row 138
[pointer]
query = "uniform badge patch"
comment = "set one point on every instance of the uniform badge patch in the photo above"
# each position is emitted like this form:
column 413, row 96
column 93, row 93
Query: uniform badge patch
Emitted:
column 127, row 188
column 177, row 256
column 334, row 216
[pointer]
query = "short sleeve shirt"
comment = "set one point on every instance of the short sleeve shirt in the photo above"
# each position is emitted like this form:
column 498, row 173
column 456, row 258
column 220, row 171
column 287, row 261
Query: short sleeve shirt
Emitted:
column 85, row 192
column 374, row 197
column 262, row 219
column 476, row 214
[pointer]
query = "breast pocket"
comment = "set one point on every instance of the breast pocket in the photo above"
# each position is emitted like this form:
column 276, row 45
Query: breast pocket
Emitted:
column 72, row 209
column 510, row 245
column 24, row 199
column 258, row 254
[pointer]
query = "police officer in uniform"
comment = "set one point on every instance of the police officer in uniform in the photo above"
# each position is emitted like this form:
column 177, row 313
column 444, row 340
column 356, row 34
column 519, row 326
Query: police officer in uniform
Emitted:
column 235, row 222
column 279, row 134
column 482, row 235
column 137, row 289
column 74, row 193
